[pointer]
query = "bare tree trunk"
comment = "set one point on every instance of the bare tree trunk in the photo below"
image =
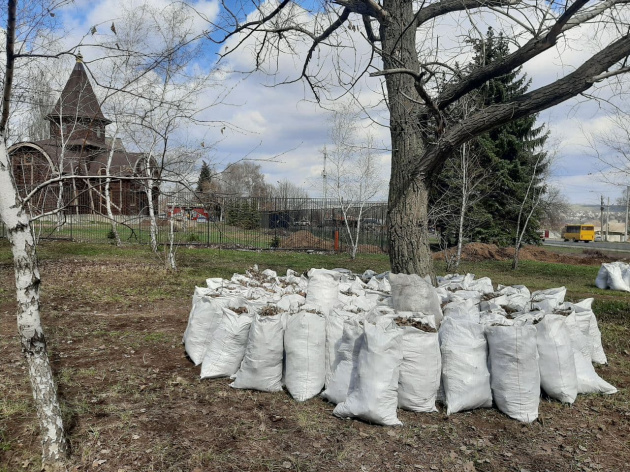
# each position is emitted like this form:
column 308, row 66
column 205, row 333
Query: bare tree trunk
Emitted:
column 27, row 280
column 108, row 198
column 60, row 218
column 75, row 196
column 407, row 214
column 153, row 230
column 460, row 235
column 171, row 252
column 520, row 232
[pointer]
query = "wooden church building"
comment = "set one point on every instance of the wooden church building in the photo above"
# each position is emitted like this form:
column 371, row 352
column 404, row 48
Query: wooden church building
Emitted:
column 78, row 146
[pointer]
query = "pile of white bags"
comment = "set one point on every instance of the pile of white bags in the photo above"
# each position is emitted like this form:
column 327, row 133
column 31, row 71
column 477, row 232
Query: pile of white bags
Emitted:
column 372, row 343
column 615, row 276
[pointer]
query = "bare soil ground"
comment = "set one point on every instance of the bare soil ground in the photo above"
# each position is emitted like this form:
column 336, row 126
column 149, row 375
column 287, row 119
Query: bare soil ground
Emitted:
column 476, row 252
column 307, row 240
column 132, row 401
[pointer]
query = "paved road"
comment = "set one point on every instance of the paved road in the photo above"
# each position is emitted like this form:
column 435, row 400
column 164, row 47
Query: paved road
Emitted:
column 622, row 247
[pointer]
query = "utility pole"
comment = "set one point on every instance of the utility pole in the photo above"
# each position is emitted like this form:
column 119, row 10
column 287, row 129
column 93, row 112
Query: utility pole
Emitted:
column 601, row 218
column 607, row 219
column 627, row 205
column 325, row 187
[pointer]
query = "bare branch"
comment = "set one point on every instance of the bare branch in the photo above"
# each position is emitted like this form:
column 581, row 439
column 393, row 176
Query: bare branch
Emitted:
column 531, row 49
column 9, row 65
column 530, row 103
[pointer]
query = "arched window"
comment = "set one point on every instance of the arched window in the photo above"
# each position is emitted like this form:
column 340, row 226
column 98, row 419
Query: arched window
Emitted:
column 28, row 174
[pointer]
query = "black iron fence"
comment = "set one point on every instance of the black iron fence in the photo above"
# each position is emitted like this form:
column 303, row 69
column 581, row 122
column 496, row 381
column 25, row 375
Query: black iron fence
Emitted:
column 258, row 223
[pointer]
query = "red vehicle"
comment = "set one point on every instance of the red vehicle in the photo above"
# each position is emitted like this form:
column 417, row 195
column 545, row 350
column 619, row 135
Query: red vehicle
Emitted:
column 187, row 213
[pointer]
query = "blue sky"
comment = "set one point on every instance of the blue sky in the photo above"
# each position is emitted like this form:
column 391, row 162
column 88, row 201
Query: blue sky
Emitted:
column 286, row 131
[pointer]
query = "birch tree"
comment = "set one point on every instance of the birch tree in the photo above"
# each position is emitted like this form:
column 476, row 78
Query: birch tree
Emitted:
column 166, row 102
column 414, row 47
column 529, row 204
column 22, row 45
column 354, row 177
column 27, row 279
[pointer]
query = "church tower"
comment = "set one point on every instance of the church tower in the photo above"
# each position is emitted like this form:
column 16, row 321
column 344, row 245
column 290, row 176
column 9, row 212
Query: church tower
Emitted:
column 76, row 118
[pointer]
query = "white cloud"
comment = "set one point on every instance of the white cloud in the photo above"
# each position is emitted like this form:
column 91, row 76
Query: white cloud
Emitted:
column 283, row 121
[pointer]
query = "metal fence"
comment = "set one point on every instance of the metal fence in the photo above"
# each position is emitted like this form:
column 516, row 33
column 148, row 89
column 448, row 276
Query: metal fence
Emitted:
column 228, row 222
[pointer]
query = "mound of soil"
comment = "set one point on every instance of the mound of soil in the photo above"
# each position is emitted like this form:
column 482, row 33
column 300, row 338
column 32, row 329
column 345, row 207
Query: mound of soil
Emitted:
column 305, row 240
column 476, row 252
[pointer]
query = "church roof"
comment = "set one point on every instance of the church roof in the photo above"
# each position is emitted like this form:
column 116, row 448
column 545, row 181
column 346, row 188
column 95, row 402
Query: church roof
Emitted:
column 77, row 99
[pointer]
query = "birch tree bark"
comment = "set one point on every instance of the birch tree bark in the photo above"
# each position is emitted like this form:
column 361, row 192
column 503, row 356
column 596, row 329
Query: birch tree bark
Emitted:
column 108, row 198
column 27, row 281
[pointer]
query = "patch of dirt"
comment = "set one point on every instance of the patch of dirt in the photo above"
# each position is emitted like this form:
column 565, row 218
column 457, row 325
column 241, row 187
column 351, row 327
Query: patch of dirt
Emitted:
column 307, row 240
column 477, row 252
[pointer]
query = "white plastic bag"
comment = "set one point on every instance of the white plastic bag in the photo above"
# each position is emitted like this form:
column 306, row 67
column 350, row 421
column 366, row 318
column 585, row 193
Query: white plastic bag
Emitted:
column 548, row 300
column 556, row 361
column 203, row 321
column 514, row 373
column 462, row 309
column 197, row 295
column 465, row 374
column 588, row 325
column 420, row 370
column 601, row 281
column 323, row 289
column 482, row 285
column 346, row 360
column 305, row 348
column 618, row 276
column 291, row 302
column 227, row 346
column 587, row 378
column 334, row 332
column 261, row 368
column 373, row 394
column 413, row 293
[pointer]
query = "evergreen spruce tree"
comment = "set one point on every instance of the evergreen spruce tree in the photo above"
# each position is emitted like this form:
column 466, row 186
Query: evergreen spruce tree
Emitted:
column 512, row 154
column 204, row 177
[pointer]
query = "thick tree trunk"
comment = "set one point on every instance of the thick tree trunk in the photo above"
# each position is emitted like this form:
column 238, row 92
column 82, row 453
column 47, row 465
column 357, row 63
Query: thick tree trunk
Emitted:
column 407, row 215
column 407, row 220
column 27, row 280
